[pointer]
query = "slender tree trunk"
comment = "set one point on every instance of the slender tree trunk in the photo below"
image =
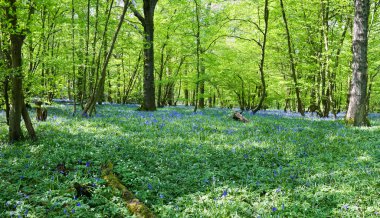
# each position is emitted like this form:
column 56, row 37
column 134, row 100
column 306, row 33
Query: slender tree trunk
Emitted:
column 202, row 82
column 356, row 114
column 198, row 39
column 262, row 61
column 186, row 97
column 292, row 63
column 99, row 83
column 371, row 81
column 133, row 79
column 7, row 64
column 28, row 122
column 325, row 66
column 332, row 85
column 6, row 98
column 73, row 55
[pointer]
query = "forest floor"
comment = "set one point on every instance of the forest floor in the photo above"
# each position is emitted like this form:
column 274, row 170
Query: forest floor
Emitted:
column 185, row 164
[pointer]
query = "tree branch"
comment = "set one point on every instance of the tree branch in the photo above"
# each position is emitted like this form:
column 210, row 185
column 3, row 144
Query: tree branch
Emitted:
column 247, row 21
column 137, row 13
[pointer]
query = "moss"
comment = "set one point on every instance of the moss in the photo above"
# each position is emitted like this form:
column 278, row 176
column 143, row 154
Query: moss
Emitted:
column 133, row 204
column 350, row 121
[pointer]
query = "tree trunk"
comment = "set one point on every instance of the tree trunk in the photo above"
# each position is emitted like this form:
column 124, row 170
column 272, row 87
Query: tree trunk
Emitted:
column 198, row 39
column 325, row 59
column 149, row 102
column 90, row 106
column 132, row 80
column 263, row 46
column 73, row 56
column 292, row 63
column 202, row 83
column 17, row 38
column 186, row 97
column 356, row 114
column 6, row 98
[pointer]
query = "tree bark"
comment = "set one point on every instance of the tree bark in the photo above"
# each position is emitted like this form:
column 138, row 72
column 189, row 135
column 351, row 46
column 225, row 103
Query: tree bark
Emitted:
column 263, row 46
column 147, row 21
column 90, row 106
column 198, row 39
column 292, row 63
column 17, row 38
column 356, row 114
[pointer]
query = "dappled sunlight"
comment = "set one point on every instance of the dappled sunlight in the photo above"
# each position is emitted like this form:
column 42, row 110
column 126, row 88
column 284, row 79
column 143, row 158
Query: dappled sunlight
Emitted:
column 203, row 164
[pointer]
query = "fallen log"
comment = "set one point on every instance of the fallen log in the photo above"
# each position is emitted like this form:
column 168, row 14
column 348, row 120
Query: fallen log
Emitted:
column 133, row 204
column 239, row 117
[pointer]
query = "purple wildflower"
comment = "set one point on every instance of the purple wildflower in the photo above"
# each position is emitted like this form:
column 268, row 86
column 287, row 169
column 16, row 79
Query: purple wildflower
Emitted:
column 224, row 193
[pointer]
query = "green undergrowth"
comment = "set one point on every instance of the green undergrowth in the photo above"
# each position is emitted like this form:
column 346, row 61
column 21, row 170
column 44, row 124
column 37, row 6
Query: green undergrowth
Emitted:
column 185, row 164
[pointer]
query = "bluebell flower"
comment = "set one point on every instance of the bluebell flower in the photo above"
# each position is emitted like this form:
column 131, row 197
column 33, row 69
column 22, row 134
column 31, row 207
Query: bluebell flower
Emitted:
column 150, row 186
column 78, row 204
column 72, row 211
column 162, row 196
column 88, row 164
column 274, row 173
column 224, row 193
column 345, row 207
column 274, row 209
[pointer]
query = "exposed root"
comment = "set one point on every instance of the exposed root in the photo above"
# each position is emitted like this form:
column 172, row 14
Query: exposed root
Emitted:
column 133, row 204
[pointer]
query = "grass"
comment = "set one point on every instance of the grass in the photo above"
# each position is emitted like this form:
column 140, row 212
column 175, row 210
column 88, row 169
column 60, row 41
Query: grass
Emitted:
column 183, row 164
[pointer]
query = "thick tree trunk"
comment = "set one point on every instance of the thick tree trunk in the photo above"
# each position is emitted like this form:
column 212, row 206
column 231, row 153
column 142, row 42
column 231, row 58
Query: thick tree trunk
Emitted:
column 356, row 114
column 149, row 102
column 15, row 132
column 17, row 40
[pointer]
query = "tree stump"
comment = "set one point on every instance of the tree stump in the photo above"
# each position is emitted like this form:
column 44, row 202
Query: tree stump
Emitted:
column 239, row 117
column 41, row 111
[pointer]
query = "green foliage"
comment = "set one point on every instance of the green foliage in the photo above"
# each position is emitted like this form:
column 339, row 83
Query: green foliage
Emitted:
column 183, row 164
